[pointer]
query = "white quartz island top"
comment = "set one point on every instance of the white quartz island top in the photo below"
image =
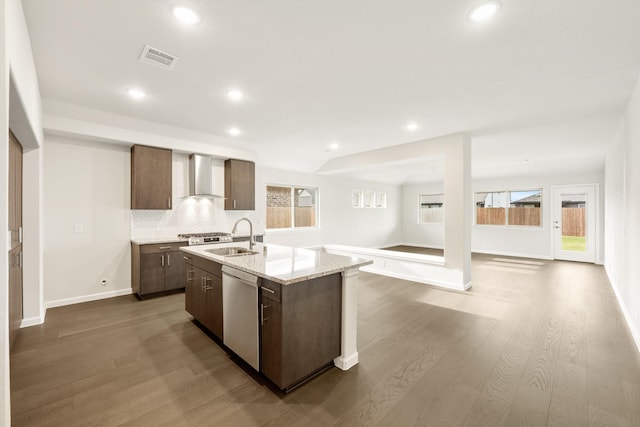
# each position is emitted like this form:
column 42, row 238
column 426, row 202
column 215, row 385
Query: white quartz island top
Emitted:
column 281, row 264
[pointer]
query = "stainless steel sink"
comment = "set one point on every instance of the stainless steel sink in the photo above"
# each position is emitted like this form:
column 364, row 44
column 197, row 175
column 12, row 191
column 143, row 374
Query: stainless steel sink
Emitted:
column 234, row 251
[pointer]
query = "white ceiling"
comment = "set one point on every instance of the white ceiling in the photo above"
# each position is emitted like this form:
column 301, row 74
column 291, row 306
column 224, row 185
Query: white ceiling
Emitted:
column 542, row 85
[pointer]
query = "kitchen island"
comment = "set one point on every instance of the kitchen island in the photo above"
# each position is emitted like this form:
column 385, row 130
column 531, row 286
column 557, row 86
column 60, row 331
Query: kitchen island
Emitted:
column 305, row 308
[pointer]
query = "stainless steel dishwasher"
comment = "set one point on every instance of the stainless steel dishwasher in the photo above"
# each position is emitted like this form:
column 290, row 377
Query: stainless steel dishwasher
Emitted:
column 240, row 314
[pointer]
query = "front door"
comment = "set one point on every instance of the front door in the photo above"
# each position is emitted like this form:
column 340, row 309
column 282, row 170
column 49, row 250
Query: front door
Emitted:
column 574, row 222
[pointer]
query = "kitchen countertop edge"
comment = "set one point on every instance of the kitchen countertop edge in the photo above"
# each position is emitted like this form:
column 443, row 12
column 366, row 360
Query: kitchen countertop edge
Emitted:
column 229, row 261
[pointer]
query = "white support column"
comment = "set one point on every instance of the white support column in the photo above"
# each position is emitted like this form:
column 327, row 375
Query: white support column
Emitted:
column 458, row 202
column 349, row 356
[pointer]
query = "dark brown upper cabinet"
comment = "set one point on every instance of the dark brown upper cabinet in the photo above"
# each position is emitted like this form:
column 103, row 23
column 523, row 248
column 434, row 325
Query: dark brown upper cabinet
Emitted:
column 239, row 185
column 150, row 178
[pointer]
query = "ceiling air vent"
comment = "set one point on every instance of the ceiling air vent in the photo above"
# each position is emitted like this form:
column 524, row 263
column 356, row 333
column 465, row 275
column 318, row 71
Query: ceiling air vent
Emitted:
column 156, row 57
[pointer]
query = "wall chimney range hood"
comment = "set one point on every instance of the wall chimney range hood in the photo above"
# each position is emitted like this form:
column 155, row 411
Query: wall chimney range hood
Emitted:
column 201, row 176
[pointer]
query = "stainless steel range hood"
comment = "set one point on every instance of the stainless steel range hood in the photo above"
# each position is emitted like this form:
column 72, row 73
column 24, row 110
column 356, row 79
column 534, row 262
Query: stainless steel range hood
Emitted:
column 201, row 176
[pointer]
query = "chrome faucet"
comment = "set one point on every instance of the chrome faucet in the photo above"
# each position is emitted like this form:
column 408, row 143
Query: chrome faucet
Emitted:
column 235, row 226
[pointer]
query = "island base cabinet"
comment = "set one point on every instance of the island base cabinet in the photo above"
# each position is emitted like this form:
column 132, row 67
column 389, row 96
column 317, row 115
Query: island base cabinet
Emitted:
column 300, row 328
column 203, row 294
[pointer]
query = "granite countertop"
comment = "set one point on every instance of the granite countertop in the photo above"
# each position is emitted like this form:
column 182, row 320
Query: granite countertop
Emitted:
column 281, row 264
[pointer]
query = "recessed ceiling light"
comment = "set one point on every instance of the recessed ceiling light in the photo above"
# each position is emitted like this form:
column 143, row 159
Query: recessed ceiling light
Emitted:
column 235, row 95
column 333, row 146
column 136, row 93
column 185, row 14
column 411, row 127
column 484, row 11
column 234, row 131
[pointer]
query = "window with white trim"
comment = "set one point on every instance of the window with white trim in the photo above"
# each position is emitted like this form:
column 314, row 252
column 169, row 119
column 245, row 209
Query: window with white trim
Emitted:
column 511, row 208
column 431, row 209
column 291, row 207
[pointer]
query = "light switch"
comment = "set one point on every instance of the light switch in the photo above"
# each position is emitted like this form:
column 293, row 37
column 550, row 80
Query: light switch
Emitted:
column 79, row 228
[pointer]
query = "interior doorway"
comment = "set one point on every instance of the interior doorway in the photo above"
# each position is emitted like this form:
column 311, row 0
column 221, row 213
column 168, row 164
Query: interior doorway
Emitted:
column 574, row 222
column 15, row 230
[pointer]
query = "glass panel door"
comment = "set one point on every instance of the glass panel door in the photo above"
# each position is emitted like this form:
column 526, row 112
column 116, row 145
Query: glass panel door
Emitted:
column 574, row 223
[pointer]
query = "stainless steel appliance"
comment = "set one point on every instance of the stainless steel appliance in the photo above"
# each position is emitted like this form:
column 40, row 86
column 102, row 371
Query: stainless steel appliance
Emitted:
column 240, row 314
column 200, row 176
column 206, row 238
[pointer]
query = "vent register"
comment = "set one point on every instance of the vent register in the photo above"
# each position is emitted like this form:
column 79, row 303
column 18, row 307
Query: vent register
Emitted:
column 158, row 58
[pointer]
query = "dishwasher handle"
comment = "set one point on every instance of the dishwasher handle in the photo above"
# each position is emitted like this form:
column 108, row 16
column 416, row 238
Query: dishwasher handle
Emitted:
column 243, row 276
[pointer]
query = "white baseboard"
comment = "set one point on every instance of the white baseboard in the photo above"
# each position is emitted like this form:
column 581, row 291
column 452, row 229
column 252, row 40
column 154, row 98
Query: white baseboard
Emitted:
column 627, row 316
column 32, row 321
column 86, row 298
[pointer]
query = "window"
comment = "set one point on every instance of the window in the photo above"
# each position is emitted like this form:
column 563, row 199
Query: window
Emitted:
column 431, row 208
column 509, row 208
column 369, row 199
column 381, row 200
column 291, row 207
column 356, row 199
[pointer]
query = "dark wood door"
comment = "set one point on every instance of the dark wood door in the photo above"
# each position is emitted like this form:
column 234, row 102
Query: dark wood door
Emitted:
column 15, row 292
column 152, row 273
column 198, row 301
column 239, row 185
column 175, row 270
column 150, row 178
column 271, row 340
column 15, row 231
column 189, row 283
column 213, row 295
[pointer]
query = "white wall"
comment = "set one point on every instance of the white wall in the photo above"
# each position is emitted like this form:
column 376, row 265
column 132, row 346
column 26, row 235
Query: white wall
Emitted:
column 19, row 108
column 339, row 222
column 622, row 210
column 85, row 184
column 5, row 405
column 530, row 242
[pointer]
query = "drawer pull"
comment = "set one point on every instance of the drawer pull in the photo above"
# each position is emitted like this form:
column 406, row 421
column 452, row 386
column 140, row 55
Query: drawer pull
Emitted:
column 268, row 290
column 164, row 247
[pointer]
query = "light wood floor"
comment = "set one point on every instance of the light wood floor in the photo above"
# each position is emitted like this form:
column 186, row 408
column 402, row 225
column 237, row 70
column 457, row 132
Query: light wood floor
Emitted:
column 533, row 343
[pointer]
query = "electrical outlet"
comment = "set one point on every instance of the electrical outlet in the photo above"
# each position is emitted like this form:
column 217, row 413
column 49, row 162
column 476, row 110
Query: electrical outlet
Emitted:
column 79, row 229
column 103, row 282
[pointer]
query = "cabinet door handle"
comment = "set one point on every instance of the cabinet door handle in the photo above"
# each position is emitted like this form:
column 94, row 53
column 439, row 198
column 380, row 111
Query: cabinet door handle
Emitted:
column 169, row 202
column 268, row 290
column 262, row 318
column 234, row 204
column 168, row 260
column 189, row 275
column 206, row 287
column 20, row 234
column 162, row 260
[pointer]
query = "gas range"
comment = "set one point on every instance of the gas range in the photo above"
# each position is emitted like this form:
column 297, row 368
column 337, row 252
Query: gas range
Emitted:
column 206, row 238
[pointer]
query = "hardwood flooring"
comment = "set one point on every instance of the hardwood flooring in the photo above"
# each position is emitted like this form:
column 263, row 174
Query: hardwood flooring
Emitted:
column 533, row 343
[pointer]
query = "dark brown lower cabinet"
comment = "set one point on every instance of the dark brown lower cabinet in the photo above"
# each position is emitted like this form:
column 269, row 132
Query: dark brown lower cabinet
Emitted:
column 300, row 328
column 203, row 294
column 157, row 268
